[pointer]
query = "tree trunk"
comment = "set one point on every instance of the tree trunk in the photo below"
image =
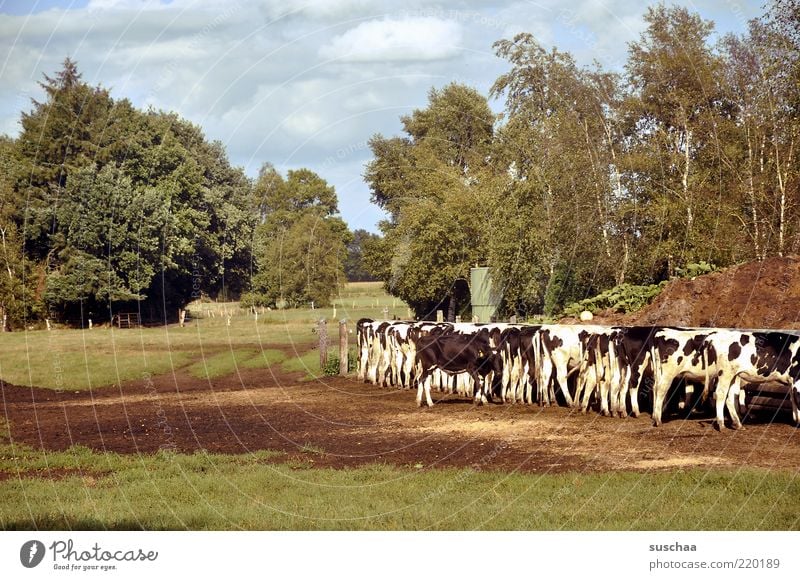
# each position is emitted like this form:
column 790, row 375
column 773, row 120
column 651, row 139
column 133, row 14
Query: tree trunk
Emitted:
column 600, row 209
column 451, row 307
column 752, row 192
column 685, row 183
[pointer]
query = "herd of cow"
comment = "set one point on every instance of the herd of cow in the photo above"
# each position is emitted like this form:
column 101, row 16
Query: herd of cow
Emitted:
column 580, row 366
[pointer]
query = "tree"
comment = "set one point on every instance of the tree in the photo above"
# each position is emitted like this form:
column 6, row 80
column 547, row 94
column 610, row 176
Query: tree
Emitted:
column 434, row 183
column 300, row 246
column 120, row 209
column 355, row 268
column 674, row 117
column 560, row 148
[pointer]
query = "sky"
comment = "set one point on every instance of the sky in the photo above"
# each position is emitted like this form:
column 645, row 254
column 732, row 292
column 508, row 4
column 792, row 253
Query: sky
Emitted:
column 304, row 84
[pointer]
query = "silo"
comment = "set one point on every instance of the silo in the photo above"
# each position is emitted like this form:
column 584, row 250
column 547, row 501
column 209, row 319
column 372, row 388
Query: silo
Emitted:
column 485, row 299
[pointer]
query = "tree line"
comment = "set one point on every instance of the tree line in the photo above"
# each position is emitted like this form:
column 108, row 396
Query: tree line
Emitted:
column 592, row 178
column 106, row 208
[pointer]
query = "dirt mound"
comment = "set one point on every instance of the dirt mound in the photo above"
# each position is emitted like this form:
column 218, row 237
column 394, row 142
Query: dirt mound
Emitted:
column 752, row 295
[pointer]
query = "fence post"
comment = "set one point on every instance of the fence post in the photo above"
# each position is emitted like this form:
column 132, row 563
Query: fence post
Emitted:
column 343, row 347
column 440, row 316
column 322, row 331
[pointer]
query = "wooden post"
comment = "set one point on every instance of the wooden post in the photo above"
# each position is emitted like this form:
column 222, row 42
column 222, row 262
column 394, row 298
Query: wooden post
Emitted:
column 343, row 347
column 47, row 321
column 386, row 313
column 458, row 319
column 322, row 331
column 440, row 316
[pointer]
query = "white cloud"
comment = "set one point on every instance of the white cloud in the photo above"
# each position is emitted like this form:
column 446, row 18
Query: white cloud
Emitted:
column 389, row 39
column 124, row 5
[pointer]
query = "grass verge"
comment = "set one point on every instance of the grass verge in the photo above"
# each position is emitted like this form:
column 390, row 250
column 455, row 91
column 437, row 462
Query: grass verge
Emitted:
column 82, row 489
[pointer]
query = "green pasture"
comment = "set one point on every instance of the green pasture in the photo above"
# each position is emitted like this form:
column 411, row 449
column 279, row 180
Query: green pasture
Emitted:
column 263, row 491
column 207, row 346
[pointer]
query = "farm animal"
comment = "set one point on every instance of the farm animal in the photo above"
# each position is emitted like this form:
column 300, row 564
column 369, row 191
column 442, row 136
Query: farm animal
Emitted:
column 454, row 354
column 753, row 357
column 527, row 363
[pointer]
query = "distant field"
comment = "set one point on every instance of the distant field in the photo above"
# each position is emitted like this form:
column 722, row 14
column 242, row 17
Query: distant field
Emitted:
column 71, row 359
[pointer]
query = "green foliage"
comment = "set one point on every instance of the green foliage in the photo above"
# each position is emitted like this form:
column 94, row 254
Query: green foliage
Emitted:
column 630, row 297
column 122, row 209
column 300, row 246
column 355, row 266
column 623, row 298
column 331, row 368
column 557, row 291
column 698, row 269
column 432, row 182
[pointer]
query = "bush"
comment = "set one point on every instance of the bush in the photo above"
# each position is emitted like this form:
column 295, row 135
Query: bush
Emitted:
column 331, row 368
column 629, row 298
column 623, row 298
column 692, row 270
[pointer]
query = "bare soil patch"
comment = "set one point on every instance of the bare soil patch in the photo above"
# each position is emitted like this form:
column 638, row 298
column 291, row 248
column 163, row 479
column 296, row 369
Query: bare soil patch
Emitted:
column 343, row 423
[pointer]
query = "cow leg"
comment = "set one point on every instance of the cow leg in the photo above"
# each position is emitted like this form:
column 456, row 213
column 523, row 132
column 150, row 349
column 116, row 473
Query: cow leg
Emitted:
column 733, row 394
column 660, row 388
column 544, row 382
column 421, row 387
column 590, row 386
column 425, row 386
column 603, row 389
column 688, row 394
column 720, row 397
column 562, row 381
column 621, row 393
column 795, row 395
column 479, row 398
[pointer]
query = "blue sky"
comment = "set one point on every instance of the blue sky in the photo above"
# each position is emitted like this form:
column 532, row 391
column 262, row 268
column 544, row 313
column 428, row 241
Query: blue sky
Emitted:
column 297, row 83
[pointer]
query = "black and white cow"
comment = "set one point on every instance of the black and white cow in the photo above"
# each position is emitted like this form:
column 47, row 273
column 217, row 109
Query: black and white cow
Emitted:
column 678, row 354
column 753, row 357
column 561, row 353
column 633, row 347
column 454, row 354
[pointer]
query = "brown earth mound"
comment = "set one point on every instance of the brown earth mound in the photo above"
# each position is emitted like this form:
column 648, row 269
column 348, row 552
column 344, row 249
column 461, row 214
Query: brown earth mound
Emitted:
column 753, row 295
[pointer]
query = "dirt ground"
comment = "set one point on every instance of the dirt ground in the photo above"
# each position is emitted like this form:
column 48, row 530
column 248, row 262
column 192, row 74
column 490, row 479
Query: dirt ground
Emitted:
column 341, row 422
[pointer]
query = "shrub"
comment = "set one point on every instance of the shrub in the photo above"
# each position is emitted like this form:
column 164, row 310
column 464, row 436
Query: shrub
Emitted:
column 331, row 368
column 623, row 298
column 629, row 298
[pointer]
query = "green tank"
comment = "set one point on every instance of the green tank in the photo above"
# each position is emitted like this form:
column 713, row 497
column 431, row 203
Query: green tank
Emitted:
column 485, row 298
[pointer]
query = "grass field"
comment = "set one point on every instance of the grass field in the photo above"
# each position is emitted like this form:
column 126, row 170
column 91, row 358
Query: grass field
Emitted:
column 70, row 359
column 81, row 489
